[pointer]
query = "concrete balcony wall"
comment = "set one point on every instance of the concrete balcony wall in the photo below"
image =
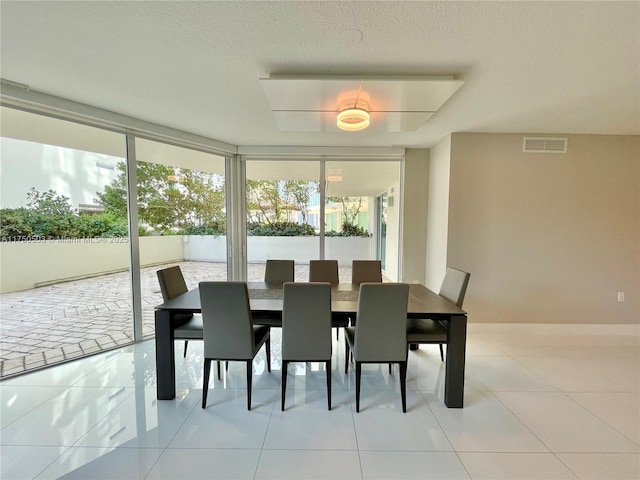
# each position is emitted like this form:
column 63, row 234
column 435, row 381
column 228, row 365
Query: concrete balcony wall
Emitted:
column 26, row 265
column 205, row 248
column 298, row 249
column 346, row 249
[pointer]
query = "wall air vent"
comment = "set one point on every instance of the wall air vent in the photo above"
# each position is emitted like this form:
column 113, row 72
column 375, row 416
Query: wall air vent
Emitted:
column 544, row 145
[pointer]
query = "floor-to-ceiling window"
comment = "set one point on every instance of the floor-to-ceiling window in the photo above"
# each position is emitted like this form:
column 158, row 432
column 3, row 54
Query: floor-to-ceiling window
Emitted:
column 75, row 280
column 77, row 193
column 319, row 208
column 181, row 217
column 281, row 220
column 65, row 287
column 353, row 230
column 381, row 216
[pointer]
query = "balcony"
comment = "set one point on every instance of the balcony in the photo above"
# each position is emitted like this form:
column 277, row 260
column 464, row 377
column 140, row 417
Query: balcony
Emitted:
column 59, row 322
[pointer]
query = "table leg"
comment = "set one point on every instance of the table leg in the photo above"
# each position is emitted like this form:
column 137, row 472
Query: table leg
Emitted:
column 454, row 371
column 165, row 358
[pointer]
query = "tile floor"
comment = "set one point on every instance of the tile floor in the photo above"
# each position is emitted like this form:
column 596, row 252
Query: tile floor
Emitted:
column 542, row 402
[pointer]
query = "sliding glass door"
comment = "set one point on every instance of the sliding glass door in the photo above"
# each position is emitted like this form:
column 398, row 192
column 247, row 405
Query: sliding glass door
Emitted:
column 181, row 218
column 319, row 209
column 353, row 230
column 283, row 220
column 65, row 281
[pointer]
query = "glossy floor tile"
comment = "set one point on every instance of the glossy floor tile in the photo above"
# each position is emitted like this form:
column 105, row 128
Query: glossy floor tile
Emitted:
column 540, row 403
column 515, row 466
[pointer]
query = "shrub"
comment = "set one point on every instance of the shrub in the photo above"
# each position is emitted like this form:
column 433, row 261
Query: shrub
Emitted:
column 14, row 224
column 280, row 229
column 214, row 229
column 349, row 230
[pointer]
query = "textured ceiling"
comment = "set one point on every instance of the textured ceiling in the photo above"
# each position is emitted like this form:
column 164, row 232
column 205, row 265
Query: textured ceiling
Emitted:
column 536, row 67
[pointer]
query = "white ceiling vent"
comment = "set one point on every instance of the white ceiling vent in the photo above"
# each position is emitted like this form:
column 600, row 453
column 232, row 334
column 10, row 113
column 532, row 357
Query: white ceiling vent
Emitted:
column 544, row 145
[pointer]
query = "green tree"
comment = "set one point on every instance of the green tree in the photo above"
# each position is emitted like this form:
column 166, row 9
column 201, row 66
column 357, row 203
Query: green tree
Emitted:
column 49, row 203
column 350, row 210
column 297, row 193
column 264, row 202
column 170, row 199
column 268, row 201
column 50, row 214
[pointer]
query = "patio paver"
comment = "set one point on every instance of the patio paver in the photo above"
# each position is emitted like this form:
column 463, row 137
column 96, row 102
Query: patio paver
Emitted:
column 55, row 323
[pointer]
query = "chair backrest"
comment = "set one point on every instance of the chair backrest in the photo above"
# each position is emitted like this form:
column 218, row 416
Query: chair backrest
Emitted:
column 381, row 322
column 226, row 318
column 279, row 271
column 454, row 285
column 172, row 282
column 306, row 321
column 366, row 271
column 323, row 271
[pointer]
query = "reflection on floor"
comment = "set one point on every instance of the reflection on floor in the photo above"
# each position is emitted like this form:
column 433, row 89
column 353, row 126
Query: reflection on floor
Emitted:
column 541, row 402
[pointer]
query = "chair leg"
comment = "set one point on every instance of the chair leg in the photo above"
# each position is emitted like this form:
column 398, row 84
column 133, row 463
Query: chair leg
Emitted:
column 328, row 369
column 390, row 367
column 403, row 385
column 358, row 374
column 186, row 343
column 268, row 346
column 441, row 353
column 205, row 381
column 249, row 372
column 346, row 356
column 337, row 333
column 218, row 362
column 285, row 364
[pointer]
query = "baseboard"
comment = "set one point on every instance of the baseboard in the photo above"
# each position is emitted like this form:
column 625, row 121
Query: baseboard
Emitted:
column 556, row 328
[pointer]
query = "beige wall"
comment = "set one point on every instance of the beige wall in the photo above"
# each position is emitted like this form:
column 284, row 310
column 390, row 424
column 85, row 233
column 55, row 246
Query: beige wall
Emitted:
column 438, row 214
column 547, row 238
column 414, row 215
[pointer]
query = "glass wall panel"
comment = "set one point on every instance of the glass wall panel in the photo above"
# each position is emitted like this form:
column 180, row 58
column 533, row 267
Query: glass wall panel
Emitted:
column 65, row 283
column 182, row 218
column 351, row 222
column 283, row 218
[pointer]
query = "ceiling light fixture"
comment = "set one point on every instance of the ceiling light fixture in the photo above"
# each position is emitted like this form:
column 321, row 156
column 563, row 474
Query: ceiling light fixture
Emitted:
column 353, row 119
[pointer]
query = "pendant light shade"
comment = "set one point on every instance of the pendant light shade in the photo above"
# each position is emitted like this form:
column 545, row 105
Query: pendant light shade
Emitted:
column 353, row 119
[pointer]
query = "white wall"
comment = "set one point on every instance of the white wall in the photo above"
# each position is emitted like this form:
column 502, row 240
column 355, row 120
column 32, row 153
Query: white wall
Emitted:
column 347, row 249
column 28, row 265
column 438, row 214
column 72, row 173
column 548, row 238
column 207, row 248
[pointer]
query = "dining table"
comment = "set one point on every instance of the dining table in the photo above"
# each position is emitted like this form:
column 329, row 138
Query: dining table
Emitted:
column 266, row 308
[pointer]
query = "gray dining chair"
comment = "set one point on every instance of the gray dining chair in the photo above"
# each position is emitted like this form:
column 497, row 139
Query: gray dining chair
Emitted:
column 366, row 271
column 379, row 335
column 427, row 331
column 279, row 271
column 172, row 284
column 323, row 271
column 229, row 333
column 306, row 328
